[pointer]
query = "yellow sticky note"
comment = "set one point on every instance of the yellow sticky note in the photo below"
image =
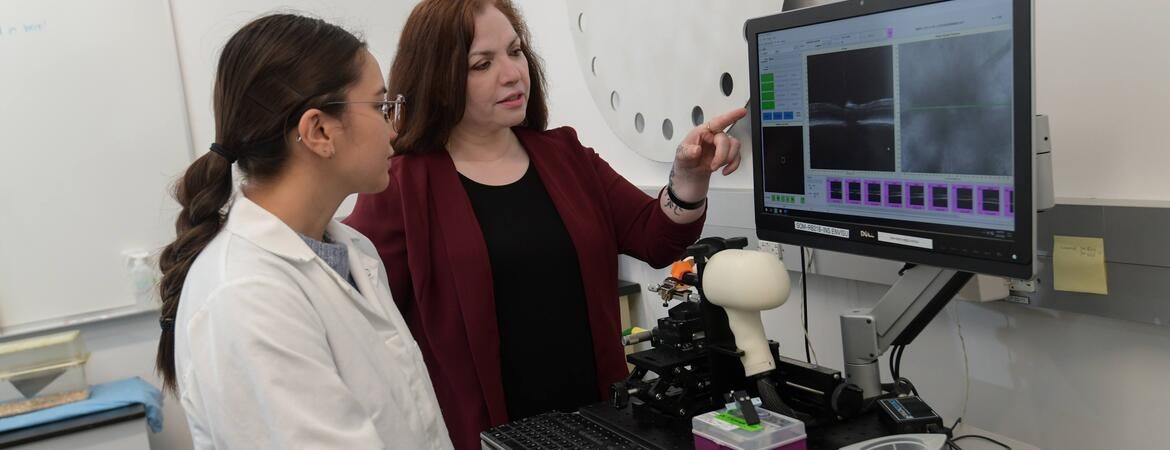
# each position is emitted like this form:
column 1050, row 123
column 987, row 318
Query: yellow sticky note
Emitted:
column 1079, row 265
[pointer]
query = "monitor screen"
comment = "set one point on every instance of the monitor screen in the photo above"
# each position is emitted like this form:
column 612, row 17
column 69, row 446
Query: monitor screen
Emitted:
column 897, row 129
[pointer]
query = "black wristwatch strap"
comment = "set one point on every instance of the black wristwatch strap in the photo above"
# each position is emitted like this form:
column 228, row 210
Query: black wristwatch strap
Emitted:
column 690, row 206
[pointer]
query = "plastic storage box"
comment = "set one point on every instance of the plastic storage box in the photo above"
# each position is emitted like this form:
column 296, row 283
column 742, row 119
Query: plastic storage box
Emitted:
column 43, row 371
column 41, row 351
column 724, row 430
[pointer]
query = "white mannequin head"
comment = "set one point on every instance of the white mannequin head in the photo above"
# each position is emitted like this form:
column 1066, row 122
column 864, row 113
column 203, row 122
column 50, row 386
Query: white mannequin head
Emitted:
column 745, row 282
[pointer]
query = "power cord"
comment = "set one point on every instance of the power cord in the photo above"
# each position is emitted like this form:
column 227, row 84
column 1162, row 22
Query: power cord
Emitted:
column 966, row 362
column 951, row 438
column 976, row 436
column 804, row 306
column 902, row 351
column 948, row 445
column 893, row 368
column 895, row 358
column 810, row 353
column 898, row 361
column 901, row 385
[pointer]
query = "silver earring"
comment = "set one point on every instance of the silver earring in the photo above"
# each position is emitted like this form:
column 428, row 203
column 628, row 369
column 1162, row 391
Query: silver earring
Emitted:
column 298, row 138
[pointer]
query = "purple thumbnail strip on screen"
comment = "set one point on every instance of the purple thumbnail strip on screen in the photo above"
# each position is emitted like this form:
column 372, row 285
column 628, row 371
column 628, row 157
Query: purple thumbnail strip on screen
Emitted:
column 829, row 190
column 930, row 197
column 983, row 191
column 925, row 196
column 955, row 198
column 902, row 198
column 869, row 185
column 849, row 190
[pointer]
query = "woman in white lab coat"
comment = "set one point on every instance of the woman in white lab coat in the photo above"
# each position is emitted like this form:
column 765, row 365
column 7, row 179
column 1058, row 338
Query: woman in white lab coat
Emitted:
column 278, row 330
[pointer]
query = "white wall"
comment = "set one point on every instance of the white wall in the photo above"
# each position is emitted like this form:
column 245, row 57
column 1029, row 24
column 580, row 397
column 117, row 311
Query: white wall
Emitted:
column 1103, row 76
column 1056, row 380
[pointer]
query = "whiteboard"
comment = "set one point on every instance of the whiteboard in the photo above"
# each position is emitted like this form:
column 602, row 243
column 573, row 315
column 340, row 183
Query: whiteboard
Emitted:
column 94, row 131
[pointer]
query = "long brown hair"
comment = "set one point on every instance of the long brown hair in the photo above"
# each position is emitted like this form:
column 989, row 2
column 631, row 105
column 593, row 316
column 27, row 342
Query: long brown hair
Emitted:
column 430, row 69
column 270, row 72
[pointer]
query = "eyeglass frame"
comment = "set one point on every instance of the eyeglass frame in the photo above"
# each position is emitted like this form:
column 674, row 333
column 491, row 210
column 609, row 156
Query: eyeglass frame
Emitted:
column 397, row 103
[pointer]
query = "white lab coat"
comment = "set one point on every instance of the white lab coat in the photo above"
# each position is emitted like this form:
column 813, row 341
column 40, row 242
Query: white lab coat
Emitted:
column 275, row 350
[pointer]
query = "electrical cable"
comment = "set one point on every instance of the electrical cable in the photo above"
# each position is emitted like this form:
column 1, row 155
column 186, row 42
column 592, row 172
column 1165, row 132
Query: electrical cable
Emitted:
column 804, row 307
column 804, row 268
column 976, row 436
column 966, row 363
column 893, row 373
column 897, row 362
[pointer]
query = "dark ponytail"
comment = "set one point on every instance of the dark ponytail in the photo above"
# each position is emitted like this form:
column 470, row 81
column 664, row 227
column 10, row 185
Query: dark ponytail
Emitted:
column 270, row 72
column 203, row 191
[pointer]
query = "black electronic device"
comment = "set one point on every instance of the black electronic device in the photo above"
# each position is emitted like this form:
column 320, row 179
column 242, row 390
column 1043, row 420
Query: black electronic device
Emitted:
column 912, row 122
column 898, row 129
column 909, row 414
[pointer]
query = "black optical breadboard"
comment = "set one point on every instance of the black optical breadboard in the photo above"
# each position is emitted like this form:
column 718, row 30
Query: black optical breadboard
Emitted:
column 909, row 415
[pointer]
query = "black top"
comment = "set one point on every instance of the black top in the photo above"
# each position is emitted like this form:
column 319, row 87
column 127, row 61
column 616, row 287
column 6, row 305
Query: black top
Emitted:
column 546, row 347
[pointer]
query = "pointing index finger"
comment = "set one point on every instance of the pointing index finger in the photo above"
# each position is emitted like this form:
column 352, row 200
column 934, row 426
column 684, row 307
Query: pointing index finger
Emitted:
column 722, row 121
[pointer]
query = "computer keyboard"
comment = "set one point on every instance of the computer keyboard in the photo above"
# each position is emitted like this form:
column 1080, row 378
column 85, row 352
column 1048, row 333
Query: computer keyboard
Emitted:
column 555, row 430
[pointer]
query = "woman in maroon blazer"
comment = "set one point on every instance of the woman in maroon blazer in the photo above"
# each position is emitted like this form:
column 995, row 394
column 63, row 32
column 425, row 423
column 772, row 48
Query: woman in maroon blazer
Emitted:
column 501, row 237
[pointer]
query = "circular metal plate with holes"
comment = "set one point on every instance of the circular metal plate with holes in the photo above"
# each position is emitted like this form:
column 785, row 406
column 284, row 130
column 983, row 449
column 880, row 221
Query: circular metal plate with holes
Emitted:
column 658, row 68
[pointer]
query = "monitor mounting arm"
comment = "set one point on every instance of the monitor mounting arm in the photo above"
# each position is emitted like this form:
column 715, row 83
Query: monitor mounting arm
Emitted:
column 911, row 303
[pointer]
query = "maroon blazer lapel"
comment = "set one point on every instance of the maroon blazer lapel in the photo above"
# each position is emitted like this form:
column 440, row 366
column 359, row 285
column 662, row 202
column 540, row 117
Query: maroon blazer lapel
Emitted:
column 466, row 253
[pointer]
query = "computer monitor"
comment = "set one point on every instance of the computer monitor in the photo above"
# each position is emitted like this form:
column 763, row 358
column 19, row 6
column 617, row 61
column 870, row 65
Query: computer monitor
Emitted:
column 899, row 129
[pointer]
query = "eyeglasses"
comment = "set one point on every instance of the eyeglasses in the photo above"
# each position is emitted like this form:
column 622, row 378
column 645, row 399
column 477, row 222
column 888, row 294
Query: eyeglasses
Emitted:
column 391, row 109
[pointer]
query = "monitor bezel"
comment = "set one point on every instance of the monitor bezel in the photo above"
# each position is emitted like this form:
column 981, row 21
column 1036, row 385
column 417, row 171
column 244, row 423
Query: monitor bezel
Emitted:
column 780, row 228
